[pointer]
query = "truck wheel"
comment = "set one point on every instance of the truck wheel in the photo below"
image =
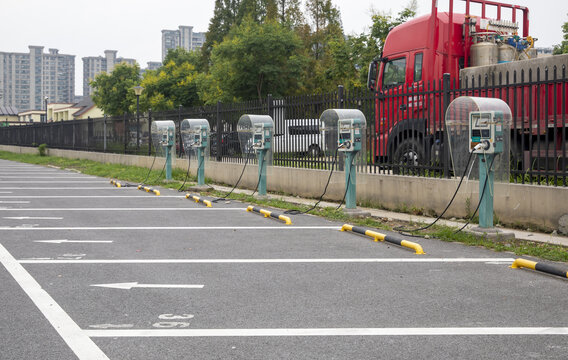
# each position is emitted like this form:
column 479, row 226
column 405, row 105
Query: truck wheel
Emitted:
column 314, row 151
column 409, row 153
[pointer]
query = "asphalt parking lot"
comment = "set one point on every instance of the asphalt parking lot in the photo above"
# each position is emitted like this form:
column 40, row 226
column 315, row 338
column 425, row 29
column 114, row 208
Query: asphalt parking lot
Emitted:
column 92, row 271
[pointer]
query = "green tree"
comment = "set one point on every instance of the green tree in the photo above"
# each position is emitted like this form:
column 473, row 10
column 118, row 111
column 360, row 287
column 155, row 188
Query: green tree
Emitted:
column 224, row 17
column 256, row 60
column 384, row 22
column 289, row 13
column 113, row 92
column 562, row 48
column 174, row 84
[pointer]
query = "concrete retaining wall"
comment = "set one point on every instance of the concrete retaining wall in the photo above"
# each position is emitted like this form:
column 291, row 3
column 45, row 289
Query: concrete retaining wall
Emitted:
column 529, row 205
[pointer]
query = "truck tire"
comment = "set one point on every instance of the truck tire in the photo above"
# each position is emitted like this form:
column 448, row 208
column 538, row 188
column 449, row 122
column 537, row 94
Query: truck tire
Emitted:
column 314, row 151
column 407, row 154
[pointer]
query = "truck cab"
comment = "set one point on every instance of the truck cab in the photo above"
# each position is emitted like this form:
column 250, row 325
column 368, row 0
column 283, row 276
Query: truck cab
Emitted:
column 407, row 76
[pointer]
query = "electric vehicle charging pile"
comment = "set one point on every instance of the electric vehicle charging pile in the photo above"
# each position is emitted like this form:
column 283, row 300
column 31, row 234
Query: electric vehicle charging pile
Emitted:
column 346, row 129
column 256, row 134
column 195, row 136
column 163, row 136
column 481, row 126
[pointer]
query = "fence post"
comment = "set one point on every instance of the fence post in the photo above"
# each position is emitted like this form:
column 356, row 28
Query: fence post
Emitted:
column 179, row 131
column 340, row 97
column 270, row 106
column 149, row 132
column 125, row 132
column 446, row 99
column 105, row 134
column 219, row 129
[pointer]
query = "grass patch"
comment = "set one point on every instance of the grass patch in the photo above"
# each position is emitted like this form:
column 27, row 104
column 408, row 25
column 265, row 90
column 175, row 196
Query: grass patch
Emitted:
column 136, row 175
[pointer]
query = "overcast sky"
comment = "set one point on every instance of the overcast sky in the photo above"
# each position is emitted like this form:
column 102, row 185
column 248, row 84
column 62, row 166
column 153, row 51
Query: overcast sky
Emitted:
column 133, row 27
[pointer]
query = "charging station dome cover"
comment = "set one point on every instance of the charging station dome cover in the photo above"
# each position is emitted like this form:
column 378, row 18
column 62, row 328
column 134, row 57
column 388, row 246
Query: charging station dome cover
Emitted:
column 330, row 120
column 158, row 129
column 246, row 129
column 458, row 122
column 190, row 129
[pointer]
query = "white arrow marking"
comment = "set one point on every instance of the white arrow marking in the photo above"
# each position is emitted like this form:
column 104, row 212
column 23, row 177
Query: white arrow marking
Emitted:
column 130, row 285
column 73, row 241
column 31, row 218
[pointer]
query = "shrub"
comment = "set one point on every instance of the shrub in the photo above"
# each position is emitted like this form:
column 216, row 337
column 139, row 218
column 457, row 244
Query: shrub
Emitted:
column 42, row 149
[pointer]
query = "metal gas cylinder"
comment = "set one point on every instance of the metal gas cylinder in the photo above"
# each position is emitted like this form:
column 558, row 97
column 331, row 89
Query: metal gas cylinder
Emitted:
column 507, row 53
column 484, row 53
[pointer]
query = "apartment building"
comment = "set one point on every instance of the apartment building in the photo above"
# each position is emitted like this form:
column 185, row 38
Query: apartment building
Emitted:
column 27, row 79
column 184, row 38
column 94, row 65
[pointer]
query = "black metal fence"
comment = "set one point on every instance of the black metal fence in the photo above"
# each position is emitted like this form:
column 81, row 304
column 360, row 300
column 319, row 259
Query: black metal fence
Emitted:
column 405, row 127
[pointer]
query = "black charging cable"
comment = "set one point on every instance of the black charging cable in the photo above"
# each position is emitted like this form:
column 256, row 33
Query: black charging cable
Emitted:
column 480, row 198
column 298, row 212
column 224, row 197
column 346, row 187
column 187, row 173
column 401, row 229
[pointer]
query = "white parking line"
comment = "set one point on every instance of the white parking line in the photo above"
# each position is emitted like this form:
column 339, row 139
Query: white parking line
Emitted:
column 129, row 209
column 53, row 182
column 48, row 177
column 282, row 227
column 61, row 188
column 76, row 339
column 14, row 202
column 438, row 331
column 91, row 196
column 270, row 261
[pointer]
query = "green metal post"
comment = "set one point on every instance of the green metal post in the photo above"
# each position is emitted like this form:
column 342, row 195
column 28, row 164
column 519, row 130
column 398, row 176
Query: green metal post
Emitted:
column 350, row 181
column 169, row 150
column 261, row 172
column 486, row 205
column 200, row 167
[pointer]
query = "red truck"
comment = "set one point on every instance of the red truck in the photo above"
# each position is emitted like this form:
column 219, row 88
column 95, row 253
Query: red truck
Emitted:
column 482, row 57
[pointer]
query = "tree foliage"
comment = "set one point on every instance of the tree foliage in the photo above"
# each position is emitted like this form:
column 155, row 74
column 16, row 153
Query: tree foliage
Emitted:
column 254, row 48
column 562, row 48
column 113, row 92
column 256, row 60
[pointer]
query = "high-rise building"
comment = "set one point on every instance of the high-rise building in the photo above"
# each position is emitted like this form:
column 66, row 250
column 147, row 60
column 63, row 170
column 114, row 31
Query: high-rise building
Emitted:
column 29, row 80
column 94, row 65
column 184, row 38
column 153, row 65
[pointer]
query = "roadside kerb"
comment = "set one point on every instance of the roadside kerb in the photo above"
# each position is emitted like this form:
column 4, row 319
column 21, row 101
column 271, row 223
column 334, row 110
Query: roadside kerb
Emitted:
column 271, row 214
column 382, row 237
column 538, row 266
column 199, row 200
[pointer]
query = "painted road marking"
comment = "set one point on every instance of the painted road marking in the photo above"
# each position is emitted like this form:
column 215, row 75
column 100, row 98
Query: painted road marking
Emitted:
column 14, row 202
column 59, row 188
column 52, row 182
column 31, row 217
column 270, row 261
column 130, row 285
column 90, row 196
column 73, row 241
column 76, row 339
column 130, row 228
column 439, row 331
column 72, row 176
column 127, row 209
column 6, row 192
